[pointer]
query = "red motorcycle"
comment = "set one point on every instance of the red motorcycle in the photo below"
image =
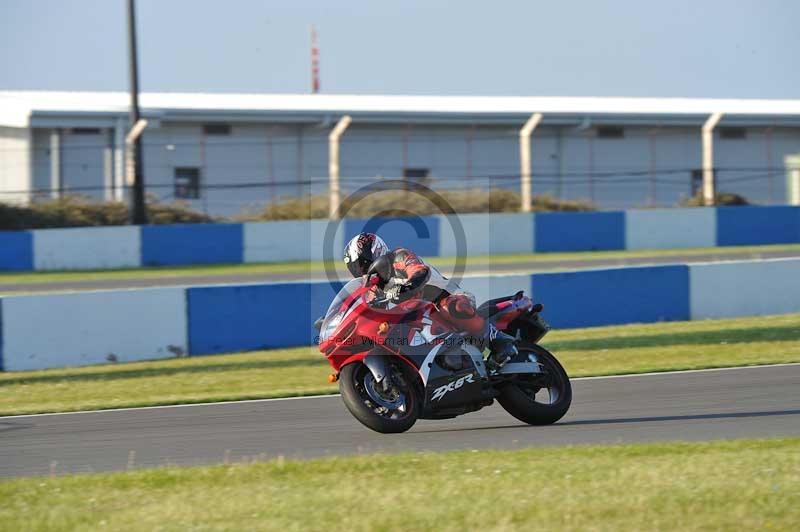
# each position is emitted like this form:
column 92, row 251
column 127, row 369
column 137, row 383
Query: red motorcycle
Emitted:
column 396, row 364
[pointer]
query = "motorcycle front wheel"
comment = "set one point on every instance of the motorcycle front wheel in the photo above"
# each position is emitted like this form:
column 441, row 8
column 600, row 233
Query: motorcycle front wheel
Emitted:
column 538, row 399
column 387, row 409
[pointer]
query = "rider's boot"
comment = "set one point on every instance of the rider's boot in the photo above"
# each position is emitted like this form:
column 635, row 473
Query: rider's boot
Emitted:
column 501, row 345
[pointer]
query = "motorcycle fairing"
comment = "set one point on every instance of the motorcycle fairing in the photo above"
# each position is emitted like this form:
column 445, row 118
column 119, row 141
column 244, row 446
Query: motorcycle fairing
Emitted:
column 452, row 392
column 454, row 378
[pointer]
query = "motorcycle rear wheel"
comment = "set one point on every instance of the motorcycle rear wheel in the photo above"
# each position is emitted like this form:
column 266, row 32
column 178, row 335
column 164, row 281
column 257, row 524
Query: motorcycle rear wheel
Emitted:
column 386, row 412
column 520, row 398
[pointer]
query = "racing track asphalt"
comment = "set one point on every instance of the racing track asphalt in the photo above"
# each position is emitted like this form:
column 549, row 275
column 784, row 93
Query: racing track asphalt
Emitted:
column 702, row 405
column 305, row 274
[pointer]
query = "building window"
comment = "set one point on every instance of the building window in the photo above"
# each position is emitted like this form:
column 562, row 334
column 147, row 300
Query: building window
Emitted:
column 417, row 175
column 732, row 133
column 85, row 130
column 187, row 183
column 610, row 132
column 217, row 129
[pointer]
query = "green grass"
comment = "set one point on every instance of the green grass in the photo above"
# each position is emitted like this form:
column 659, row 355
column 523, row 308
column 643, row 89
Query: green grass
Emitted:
column 157, row 272
column 295, row 267
column 303, row 371
column 726, row 485
column 587, row 255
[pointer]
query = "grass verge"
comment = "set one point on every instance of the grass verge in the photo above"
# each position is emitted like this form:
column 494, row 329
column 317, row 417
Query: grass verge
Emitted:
column 303, row 371
column 295, row 267
column 726, row 485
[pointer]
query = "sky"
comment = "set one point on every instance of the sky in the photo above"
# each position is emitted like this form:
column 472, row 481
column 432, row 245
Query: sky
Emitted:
column 675, row 48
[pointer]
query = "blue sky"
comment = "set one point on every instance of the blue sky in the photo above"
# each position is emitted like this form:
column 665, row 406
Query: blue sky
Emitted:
column 699, row 48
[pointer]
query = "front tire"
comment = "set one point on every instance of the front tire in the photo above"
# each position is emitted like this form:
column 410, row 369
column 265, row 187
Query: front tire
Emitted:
column 525, row 398
column 387, row 412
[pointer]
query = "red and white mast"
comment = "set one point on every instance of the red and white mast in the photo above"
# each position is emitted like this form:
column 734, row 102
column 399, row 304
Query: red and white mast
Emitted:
column 314, row 61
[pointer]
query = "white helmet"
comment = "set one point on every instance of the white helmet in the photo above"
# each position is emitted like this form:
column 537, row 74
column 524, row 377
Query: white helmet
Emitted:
column 362, row 250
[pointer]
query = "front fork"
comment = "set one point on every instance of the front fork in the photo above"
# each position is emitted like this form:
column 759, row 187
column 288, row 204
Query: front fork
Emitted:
column 376, row 364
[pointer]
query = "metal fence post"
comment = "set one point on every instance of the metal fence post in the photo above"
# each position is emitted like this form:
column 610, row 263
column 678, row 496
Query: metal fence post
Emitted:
column 525, row 159
column 709, row 194
column 333, row 165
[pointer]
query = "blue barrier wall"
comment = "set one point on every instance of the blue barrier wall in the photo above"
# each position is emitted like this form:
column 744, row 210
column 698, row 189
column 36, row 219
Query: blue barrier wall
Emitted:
column 2, row 367
column 161, row 323
column 250, row 317
column 170, row 245
column 418, row 233
column 16, row 251
column 614, row 296
column 576, row 231
column 430, row 236
column 743, row 226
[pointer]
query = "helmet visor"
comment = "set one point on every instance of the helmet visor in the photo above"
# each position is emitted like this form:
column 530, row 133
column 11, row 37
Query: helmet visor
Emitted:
column 359, row 267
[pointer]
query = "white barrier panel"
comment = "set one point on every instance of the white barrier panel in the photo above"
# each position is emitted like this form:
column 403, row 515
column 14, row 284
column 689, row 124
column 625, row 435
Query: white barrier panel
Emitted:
column 487, row 234
column 76, row 329
column 87, row 248
column 290, row 240
column 671, row 228
column 485, row 288
column 730, row 289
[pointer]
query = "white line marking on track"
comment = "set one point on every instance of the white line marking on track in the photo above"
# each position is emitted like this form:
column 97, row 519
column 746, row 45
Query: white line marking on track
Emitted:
column 244, row 401
column 679, row 371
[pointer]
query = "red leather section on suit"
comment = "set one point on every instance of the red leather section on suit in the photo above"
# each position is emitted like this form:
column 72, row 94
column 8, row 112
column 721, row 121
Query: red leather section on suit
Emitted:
column 407, row 265
column 458, row 310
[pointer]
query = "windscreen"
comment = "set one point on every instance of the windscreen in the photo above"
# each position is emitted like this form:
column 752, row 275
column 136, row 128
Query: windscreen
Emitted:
column 334, row 314
column 343, row 294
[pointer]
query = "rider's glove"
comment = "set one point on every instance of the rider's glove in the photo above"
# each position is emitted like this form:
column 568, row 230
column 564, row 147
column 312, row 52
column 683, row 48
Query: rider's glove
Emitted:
column 393, row 291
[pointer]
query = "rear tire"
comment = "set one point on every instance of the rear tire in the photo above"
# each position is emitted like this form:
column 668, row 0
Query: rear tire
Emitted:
column 353, row 382
column 520, row 400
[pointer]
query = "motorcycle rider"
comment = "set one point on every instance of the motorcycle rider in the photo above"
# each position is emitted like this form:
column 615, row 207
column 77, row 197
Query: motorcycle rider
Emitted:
column 411, row 277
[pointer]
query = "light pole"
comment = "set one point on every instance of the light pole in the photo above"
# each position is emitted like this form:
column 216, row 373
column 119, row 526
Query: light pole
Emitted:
column 138, row 210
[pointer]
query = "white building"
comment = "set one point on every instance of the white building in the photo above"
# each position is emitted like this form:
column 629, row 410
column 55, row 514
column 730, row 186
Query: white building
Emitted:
column 225, row 152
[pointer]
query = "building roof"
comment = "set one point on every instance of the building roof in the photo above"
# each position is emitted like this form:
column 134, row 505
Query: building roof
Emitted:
column 23, row 108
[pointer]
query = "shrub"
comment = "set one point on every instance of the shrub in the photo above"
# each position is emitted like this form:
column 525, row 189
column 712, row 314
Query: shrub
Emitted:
column 399, row 203
column 77, row 211
column 721, row 198
column 177, row 212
